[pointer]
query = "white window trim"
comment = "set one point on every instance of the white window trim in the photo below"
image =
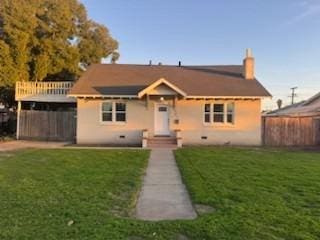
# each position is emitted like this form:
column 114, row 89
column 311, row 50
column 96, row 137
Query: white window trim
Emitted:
column 225, row 115
column 113, row 122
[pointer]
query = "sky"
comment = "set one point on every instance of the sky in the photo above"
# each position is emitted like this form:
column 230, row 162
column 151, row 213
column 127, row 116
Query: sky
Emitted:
column 284, row 36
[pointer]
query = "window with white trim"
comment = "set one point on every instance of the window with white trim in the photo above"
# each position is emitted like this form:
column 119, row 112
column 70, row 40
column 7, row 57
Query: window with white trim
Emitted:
column 207, row 113
column 230, row 113
column 218, row 113
column 222, row 113
column 113, row 112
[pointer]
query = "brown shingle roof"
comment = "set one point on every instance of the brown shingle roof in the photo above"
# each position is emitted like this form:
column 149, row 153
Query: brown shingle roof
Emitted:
column 124, row 79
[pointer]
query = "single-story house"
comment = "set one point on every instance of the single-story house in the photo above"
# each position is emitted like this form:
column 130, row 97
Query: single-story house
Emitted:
column 121, row 104
column 293, row 125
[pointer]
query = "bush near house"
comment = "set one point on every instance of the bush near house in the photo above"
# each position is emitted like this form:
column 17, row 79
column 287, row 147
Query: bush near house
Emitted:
column 8, row 123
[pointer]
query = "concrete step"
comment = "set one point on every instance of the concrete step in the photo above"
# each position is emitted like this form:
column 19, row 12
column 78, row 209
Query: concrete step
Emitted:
column 162, row 142
column 155, row 145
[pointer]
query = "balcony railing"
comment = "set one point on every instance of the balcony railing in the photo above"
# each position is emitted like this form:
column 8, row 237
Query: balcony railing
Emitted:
column 43, row 90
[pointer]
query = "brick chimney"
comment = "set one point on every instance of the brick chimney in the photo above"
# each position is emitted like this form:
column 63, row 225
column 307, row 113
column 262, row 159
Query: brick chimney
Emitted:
column 248, row 65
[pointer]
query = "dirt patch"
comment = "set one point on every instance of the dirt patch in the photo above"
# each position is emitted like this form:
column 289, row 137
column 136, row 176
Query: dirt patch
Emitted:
column 135, row 238
column 5, row 155
column 21, row 144
column 182, row 237
column 204, row 209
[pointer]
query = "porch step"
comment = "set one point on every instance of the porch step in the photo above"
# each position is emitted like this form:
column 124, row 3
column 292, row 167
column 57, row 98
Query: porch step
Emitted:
column 162, row 142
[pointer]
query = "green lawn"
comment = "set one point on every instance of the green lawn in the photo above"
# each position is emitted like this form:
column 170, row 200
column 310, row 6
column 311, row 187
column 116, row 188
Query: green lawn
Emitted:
column 257, row 194
column 41, row 191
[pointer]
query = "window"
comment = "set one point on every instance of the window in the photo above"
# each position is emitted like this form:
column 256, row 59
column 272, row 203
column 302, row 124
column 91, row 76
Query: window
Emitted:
column 230, row 113
column 107, row 111
column 113, row 112
column 162, row 109
column 120, row 112
column 219, row 113
column 207, row 113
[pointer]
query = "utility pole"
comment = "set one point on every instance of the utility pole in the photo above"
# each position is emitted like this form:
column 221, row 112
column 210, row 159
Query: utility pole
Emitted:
column 293, row 94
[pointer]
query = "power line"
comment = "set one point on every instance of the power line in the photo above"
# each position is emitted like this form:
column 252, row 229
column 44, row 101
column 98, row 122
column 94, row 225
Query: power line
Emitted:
column 293, row 94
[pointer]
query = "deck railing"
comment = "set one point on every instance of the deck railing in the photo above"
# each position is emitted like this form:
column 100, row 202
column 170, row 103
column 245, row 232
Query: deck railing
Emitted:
column 25, row 89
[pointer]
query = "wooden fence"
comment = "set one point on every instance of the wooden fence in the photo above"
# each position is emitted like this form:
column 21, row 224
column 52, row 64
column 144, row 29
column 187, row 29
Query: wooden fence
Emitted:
column 291, row 131
column 47, row 125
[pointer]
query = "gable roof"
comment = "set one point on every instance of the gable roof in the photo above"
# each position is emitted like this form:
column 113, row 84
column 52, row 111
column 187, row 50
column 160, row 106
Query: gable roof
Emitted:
column 312, row 99
column 158, row 83
column 309, row 107
column 129, row 80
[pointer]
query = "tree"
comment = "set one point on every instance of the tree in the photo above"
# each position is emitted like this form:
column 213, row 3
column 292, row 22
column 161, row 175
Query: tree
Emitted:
column 7, row 70
column 49, row 39
column 279, row 103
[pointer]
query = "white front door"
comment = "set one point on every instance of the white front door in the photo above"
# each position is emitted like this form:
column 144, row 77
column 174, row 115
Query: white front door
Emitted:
column 161, row 119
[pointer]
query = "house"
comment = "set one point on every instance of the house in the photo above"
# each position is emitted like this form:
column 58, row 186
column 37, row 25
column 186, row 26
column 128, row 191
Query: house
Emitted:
column 294, row 125
column 120, row 104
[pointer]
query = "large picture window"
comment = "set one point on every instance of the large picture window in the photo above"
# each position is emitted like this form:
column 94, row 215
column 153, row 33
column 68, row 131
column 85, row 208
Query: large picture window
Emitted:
column 219, row 113
column 113, row 112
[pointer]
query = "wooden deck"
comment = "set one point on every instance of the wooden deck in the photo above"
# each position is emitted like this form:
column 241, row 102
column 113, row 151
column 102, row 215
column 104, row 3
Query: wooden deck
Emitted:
column 44, row 91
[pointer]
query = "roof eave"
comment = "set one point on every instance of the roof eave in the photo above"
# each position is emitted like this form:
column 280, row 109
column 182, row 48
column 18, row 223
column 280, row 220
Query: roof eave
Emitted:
column 233, row 97
column 101, row 96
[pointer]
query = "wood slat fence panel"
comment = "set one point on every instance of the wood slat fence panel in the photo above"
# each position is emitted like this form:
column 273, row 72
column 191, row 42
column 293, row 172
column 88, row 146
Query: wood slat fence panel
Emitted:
column 317, row 129
column 290, row 131
column 47, row 125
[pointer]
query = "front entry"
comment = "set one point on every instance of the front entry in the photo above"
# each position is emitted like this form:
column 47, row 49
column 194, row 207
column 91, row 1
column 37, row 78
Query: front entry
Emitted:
column 161, row 120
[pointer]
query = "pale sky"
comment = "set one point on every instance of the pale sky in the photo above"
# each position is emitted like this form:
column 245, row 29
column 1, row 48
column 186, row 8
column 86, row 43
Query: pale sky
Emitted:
column 284, row 36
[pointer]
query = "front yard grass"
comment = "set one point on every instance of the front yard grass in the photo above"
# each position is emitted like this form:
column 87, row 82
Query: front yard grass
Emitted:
column 90, row 194
column 68, row 194
column 257, row 193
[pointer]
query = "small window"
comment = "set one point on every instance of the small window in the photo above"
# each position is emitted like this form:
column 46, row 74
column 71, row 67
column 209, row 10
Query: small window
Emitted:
column 162, row 109
column 207, row 113
column 230, row 112
column 120, row 112
column 218, row 113
column 113, row 112
column 107, row 112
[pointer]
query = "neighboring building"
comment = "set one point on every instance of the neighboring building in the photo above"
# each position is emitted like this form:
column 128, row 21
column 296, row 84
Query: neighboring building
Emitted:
column 192, row 105
column 294, row 125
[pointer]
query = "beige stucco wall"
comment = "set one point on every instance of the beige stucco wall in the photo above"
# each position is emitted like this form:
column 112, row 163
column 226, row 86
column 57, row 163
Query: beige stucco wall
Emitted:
column 245, row 131
column 90, row 129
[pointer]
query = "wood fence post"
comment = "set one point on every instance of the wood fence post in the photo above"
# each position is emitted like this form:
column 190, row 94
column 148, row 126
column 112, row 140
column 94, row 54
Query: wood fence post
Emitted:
column 18, row 120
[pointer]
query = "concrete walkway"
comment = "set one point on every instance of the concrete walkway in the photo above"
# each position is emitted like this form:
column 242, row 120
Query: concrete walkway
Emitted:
column 163, row 195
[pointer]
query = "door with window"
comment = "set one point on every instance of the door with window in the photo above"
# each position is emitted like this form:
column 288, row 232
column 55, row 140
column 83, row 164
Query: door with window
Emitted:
column 161, row 120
